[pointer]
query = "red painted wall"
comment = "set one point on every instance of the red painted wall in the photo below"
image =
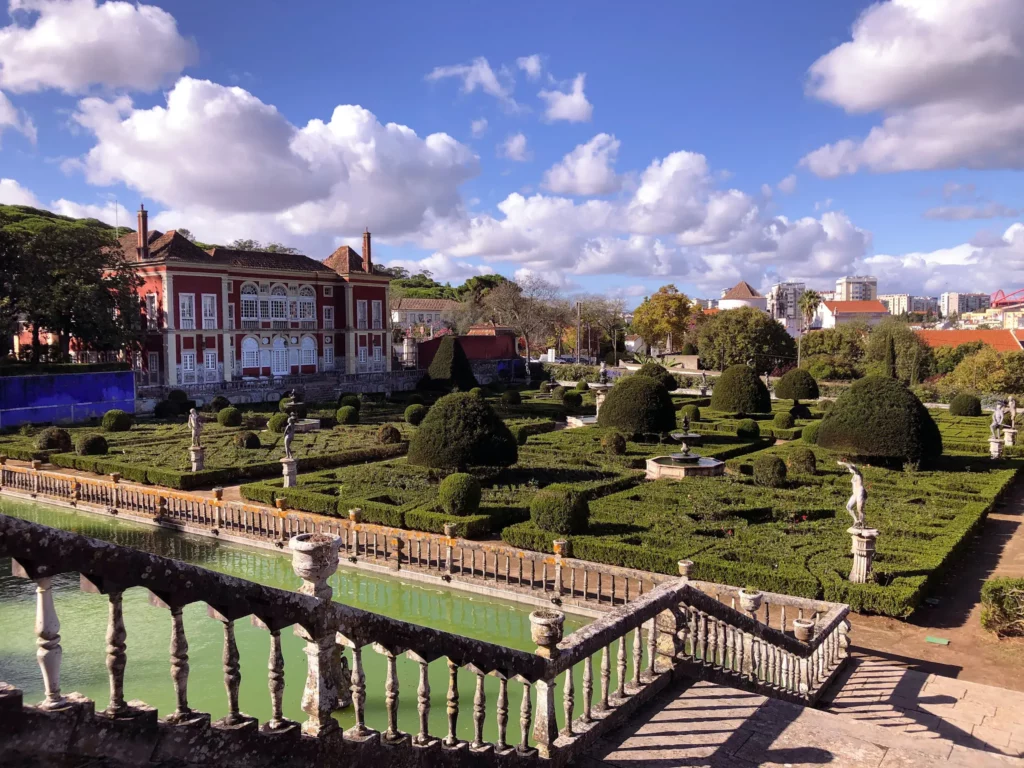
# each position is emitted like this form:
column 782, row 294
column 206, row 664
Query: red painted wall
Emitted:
column 475, row 347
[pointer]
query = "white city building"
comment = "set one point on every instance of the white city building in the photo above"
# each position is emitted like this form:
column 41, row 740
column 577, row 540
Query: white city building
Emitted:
column 742, row 294
column 784, row 305
column 954, row 303
column 857, row 288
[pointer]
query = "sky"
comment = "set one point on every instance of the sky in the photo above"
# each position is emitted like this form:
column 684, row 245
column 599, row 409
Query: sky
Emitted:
column 607, row 147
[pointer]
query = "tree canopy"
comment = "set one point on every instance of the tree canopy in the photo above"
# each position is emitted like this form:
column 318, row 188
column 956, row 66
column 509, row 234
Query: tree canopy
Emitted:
column 662, row 315
column 744, row 336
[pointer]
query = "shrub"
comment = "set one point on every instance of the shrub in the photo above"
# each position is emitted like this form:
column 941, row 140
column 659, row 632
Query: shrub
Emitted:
column 300, row 409
column 477, row 392
column 748, row 429
column 178, row 396
column 769, row 471
column 810, row 433
column 166, row 409
column 560, row 510
column 1002, row 603
column 582, row 386
column 545, row 386
column 459, row 494
column 614, row 443
column 511, row 397
column 247, row 440
column 388, row 434
column 572, row 399
column 91, row 445
column 965, row 405
column 557, row 392
column 450, row 368
column 802, row 460
column 783, row 420
column 229, row 417
column 414, row 414
column 347, row 415
column 659, row 374
column 800, row 411
column 219, row 403
column 117, row 421
column 797, row 385
column 690, row 411
column 462, row 431
column 350, row 401
column 54, row 439
column 739, row 390
column 688, row 349
column 277, row 423
column 878, row 418
column 413, row 399
column 638, row 405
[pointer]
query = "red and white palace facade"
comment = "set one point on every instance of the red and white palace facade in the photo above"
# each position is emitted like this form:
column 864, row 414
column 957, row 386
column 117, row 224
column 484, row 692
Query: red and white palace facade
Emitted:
column 223, row 315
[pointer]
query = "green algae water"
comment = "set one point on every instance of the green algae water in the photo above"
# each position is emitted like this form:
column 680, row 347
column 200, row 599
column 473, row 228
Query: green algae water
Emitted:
column 83, row 619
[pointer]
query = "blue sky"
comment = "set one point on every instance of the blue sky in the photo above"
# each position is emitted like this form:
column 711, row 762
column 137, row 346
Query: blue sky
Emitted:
column 709, row 138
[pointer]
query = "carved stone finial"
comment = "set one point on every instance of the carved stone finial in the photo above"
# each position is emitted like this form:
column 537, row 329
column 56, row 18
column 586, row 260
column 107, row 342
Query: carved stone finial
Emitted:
column 546, row 631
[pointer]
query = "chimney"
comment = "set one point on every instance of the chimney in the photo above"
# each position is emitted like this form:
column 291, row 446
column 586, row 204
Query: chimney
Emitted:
column 367, row 259
column 143, row 233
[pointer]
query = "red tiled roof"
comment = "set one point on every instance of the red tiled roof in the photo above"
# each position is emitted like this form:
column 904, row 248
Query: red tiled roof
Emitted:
column 490, row 329
column 856, row 307
column 742, row 290
column 345, row 260
column 711, row 311
column 425, row 305
column 264, row 260
column 999, row 339
column 164, row 246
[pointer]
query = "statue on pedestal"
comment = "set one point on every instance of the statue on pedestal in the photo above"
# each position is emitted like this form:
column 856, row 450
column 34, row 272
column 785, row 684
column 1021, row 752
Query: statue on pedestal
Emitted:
column 703, row 379
column 858, row 497
column 289, row 435
column 995, row 428
column 195, row 425
column 1012, row 403
column 602, row 376
column 686, row 424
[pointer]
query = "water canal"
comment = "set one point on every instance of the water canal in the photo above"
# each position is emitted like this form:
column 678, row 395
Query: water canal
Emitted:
column 83, row 619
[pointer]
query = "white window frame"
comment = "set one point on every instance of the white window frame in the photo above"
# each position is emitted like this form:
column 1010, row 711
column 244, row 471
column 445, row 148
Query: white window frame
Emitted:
column 307, row 351
column 211, row 370
column 378, row 315
column 328, row 291
column 328, row 357
column 253, row 351
column 362, row 355
column 307, row 303
column 187, row 311
column 278, row 303
column 274, row 352
column 250, row 302
column 231, row 316
column 209, row 303
column 152, row 311
column 361, row 314
column 329, row 318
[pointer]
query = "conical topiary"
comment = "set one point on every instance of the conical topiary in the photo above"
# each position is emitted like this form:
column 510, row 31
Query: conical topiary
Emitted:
column 462, row 430
column 450, row 368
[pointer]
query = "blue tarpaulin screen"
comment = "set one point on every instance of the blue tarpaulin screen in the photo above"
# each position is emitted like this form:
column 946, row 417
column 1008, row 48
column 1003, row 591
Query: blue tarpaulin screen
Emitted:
column 64, row 398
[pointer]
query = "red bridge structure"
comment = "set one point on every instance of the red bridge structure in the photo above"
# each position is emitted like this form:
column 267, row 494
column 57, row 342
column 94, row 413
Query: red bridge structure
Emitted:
column 1001, row 299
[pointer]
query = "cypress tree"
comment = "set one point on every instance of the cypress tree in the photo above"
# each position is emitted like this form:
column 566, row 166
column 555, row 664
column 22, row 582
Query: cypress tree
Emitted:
column 890, row 358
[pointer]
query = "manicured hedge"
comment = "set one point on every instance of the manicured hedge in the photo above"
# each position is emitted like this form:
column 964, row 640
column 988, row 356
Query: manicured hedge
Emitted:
column 117, row 420
column 459, row 494
column 1002, row 601
column 740, row 390
column 54, row 439
column 347, row 415
column 560, row 510
column 797, row 385
column 638, row 405
column 965, row 405
column 415, row 414
column 450, row 369
column 277, row 423
column 91, row 445
column 659, row 373
column 461, row 431
column 229, row 417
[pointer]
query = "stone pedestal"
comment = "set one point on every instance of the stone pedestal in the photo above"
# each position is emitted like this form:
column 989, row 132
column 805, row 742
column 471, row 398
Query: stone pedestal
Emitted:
column 198, row 457
column 1009, row 437
column 995, row 447
column 289, row 473
column 863, row 553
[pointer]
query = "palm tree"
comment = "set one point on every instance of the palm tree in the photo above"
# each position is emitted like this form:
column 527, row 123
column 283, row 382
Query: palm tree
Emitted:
column 808, row 304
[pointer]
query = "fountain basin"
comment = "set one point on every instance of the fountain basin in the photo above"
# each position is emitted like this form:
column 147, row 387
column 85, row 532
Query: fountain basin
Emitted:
column 690, row 438
column 306, row 425
column 665, row 468
column 573, row 422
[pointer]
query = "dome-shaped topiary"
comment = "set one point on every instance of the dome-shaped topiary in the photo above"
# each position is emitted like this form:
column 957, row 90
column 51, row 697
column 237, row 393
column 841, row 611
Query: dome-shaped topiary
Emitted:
column 691, row 411
column 638, row 405
column 462, row 431
column 166, row 409
column 388, row 434
column 797, row 385
column 459, row 494
column 229, row 417
column 878, row 418
column 769, row 471
column 219, row 403
column 54, row 439
column 477, row 392
column 572, row 399
column 413, row 399
column 91, row 445
column 809, row 434
column 614, row 443
column 511, row 397
column 415, row 413
column 546, row 386
column 117, row 421
column 560, row 510
column 351, row 401
column 802, row 460
column 582, row 386
column 449, row 369
column 247, row 440
column 557, row 392
column 965, row 405
column 300, row 409
column 739, row 390
column 277, row 423
column 783, row 420
column 659, row 374
column 748, row 429
column 347, row 415
column 178, row 396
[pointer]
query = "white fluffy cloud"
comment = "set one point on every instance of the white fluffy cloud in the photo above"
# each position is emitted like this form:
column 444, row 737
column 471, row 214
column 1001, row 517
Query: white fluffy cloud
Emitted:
column 788, row 185
column 443, row 268
column 478, row 127
column 478, row 74
column 514, row 148
column 571, row 106
column 12, row 193
column 587, row 170
column 945, row 74
column 531, row 65
column 111, row 213
column 11, row 117
column 72, row 44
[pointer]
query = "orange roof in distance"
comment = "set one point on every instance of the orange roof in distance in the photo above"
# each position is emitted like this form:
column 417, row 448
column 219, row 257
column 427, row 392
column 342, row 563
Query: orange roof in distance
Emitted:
column 855, row 307
column 999, row 339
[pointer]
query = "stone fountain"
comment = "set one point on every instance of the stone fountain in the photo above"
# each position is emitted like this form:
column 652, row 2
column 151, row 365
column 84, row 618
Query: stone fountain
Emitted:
column 685, row 463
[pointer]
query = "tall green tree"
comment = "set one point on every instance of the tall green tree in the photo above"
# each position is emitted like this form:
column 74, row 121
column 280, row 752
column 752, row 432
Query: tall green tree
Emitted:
column 742, row 336
column 808, row 304
column 915, row 360
column 663, row 317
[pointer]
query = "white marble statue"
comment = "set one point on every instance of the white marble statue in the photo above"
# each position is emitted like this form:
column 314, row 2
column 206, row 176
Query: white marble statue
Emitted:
column 195, row 425
column 1012, row 403
column 855, row 506
column 289, row 435
column 995, row 428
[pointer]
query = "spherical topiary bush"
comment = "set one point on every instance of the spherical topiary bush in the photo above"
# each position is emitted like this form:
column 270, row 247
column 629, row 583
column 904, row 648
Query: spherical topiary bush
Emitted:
column 460, row 431
column 117, row 421
column 638, row 405
column 165, row 409
column 545, row 386
column 659, row 374
column 277, row 423
column 560, row 510
column 572, row 399
column 802, row 460
column 582, row 386
column 692, row 412
column 459, row 494
column 557, row 392
column 783, row 420
column 347, row 415
column 54, row 439
column 413, row 399
column 511, row 397
column 414, row 414
column 229, row 417
column 350, row 401
column 388, row 434
column 300, row 409
column 739, row 390
column 476, row 392
column 614, row 443
column 178, row 396
column 769, row 471
column 91, row 445
column 247, row 440
column 965, row 405
column 219, row 403
column 797, row 385
column 809, row 434
column 878, row 418
column 748, row 429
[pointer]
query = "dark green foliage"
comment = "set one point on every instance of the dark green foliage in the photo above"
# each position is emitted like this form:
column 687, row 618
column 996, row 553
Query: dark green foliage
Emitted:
column 748, row 429
column 277, row 423
column 572, row 399
column 802, row 460
column 828, row 368
column 1002, row 611
column 247, row 440
column 736, row 336
column 659, row 373
column 582, row 386
column 459, row 494
column 166, row 409
column 353, row 401
column 413, row 399
column 965, row 405
column 810, row 433
column 462, row 431
column 783, row 420
column 117, row 420
column 54, row 439
column 388, row 434
column 178, row 396
column 614, row 443
column 560, row 510
column 219, row 403
column 557, row 392
column 692, row 412
column 347, row 415
column 740, row 390
column 415, row 413
column 638, row 405
column 878, row 418
column 450, row 368
column 477, row 392
column 769, row 471
column 890, row 357
column 91, row 445
column 300, row 409
column 796, row 385
column 800, row 411
column 511, row 397
column 688, row 349
column 229, row 417
column 545, row 387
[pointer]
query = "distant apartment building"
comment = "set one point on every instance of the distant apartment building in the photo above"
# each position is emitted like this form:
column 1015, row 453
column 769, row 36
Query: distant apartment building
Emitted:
column 857, row 288
column 924, row 304
column 827, row 295
column 954, row 303
column 833, row 313
column 784, row 305
column 897, row 303
column 426, row 315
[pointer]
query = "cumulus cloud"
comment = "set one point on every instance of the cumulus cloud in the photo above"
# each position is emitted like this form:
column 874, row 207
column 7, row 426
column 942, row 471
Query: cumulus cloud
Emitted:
column 945, row 75
column 478, row 127
column 72, row 44
column 11, row 117
column 475, row 75
column 12, row 193
column 514, row 148
column 587, row 170
column 788, row 185
column 110, row 213
column 443, row 268
column 571, row 106
column 531, row 65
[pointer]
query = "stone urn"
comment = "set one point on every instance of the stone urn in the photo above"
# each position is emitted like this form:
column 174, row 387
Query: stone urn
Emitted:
column 685, row 568
column 803, row 630
column 750, row 600
column 546, row 631
column 314, row 559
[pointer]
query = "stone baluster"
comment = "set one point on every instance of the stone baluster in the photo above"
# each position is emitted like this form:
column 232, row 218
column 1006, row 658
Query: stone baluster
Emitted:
column 712, row 657
column 358, row 687
column 588, row 688
column 179, row 666
column 275, row 683
column 606, row 677
column 117, row 659
column 453, row 704
column 479, row 711
column 47, row 627
column 392, row 733
column 501, row 744
column 546, row 632
column 638, row 656
column 620, row 668
column 844, row 639
column 525, row 718
column 423, row 704
column 568, row 702
column 232, row 671
column 652, row 648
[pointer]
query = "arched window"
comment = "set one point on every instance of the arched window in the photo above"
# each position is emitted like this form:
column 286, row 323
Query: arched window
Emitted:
column 250, row 353
column 279, row 358
column 250, row 306
column 307, row 304
column 308, row 351
column 278, row 303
